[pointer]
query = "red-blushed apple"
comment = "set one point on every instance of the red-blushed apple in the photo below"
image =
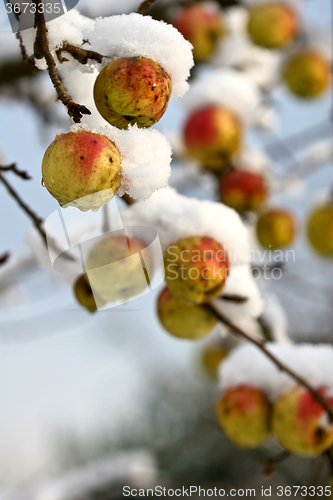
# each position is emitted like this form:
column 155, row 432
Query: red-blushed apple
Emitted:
column 78, row 164
column 307, row 73
column 132, row 90
column 196, row 268
column 243, row 412
column 276, row 228
column 243, row 190
column 114, row 268
column 201, row 24
column 84, row 293
column 320, row 229
column 272, row 25
column 212, row 135
column 212, row 355
column 184, row 319
column 301, row 424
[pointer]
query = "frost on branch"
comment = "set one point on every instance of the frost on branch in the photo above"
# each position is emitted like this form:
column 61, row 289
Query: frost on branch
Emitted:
column 247, row 365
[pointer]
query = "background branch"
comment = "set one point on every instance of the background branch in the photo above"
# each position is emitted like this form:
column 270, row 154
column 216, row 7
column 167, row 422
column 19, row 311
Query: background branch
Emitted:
column 145, row 6
column 261, row 345
column 37, row 221
column 12, row 167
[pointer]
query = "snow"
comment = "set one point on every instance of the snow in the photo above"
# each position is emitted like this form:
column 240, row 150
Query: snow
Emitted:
column 262, row 66
column 175, row 217
column 72, row 28
column 247, row 365
column 134, row 35
column 146, row 158
column 103, row 8
column 240, row 282
column 224, row 87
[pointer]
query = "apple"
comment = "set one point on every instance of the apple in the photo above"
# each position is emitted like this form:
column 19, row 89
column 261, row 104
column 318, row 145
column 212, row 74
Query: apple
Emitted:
column 196, row 269
column 184, row 319
column 132, row 90
column 320, row 229
column 114, row 268
column 212, row 135
column 78, row 164
column 84, row 293
column 307, row 73
column 243, row 412
column 201, row 24
column 212, row 356
column 243, row 190
column 276, row 228
column 301, row 424
column 272, row 25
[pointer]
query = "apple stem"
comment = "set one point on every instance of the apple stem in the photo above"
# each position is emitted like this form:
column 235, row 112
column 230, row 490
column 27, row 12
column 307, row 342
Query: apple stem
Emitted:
column 145, row 6
column 261, row 345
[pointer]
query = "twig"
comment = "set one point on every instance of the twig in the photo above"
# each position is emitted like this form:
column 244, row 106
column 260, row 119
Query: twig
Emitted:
column 238, row 299
column 35, row 219
column 128, row 199
column 261, row 345
column 12, row 167
column 81, row 55
column 106, row 228
column 269, row 465
column 41, row 50
column 145, row 6
column 4, row 257
column 24, row 53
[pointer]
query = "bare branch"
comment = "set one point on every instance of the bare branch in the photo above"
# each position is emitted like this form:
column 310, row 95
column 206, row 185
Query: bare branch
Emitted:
column 37, row 221
column 12, row 167
column 238, row 299
column 145, row 6
column 261, row 345
column 81, row 55
column 269, row 465
column 41, row 50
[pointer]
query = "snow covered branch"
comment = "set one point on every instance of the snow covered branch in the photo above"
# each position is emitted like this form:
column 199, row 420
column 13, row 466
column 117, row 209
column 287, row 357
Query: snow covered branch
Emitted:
column 261, row 345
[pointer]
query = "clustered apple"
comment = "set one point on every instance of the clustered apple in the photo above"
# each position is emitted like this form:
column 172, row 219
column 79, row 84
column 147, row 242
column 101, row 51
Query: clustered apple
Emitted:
column 296, row 419
column 196, row 268
column 300, row 423
column 114, row 268
column 244, row 414
column 272, row 25
column 307, row 73
column 276, row 228
column 212, row 355
column 243, row 190
column 79, row 164
column 84, row 294
column 320, row 229
column 202, row 25
column 212, row 135
column 132, row 90
column 184, row 319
